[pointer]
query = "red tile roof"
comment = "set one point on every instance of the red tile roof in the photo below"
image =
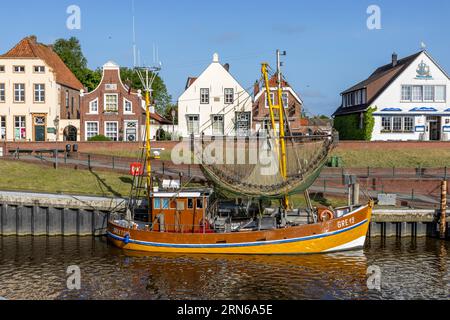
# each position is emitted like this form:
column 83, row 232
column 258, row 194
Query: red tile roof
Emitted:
column 30, row 48
column 160, row 119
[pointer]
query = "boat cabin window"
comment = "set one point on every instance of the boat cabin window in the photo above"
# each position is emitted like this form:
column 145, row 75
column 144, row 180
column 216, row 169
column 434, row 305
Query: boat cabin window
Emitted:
column 165, row 204
column 180, row 205
column 173, row 204
column 199, row 203
column 190, row 203
column 157, row 203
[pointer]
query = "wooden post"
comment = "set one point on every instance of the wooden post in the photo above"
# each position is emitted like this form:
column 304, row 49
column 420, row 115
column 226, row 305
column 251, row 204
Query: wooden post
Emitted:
column 355, row 194
column 443, row 222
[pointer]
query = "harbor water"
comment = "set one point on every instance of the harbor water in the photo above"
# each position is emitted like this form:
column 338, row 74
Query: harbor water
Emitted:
column 36, row 268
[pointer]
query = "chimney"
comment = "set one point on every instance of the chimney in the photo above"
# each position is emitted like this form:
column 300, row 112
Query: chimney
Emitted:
column 394, row 59
column 33, row 38
column 256, row 88
column 227, row 66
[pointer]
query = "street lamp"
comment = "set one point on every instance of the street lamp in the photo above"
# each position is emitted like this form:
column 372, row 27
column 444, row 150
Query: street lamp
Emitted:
column 173, row 113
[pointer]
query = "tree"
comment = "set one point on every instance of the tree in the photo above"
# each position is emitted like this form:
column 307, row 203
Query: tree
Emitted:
column 161, row 97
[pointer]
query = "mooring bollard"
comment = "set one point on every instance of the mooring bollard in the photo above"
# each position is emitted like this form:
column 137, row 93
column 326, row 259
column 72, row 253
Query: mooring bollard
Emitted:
column 89, row 161
column 443, row 222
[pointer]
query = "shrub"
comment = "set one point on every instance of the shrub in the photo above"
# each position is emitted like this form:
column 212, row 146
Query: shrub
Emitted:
column 349, row 128
column 99, row 138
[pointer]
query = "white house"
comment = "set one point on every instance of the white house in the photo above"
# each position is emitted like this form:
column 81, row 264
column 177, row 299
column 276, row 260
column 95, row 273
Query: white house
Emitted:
column 214, row 104
column 411, row 100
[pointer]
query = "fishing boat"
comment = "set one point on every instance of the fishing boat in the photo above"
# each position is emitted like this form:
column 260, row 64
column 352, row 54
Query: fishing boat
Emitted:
column 235, row 215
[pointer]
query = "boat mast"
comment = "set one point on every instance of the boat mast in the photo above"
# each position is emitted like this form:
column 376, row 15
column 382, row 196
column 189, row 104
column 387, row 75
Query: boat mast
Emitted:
column 280, row 108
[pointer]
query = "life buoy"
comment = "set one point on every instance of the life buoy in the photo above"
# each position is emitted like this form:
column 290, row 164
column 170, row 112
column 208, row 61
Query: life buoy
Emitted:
column 126, row 239
column 326, row 215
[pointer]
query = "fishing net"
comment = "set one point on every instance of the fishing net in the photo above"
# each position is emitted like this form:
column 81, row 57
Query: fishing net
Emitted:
column 250, row 166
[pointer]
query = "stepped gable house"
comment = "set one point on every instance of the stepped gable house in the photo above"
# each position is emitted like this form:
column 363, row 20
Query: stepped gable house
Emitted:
column 410, row 99
column 112, row 109
column 39, row 95
column 291, row 102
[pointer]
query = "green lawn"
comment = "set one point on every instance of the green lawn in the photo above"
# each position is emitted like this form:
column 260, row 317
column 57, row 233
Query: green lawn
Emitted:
column 30, row 177
column 395, row 157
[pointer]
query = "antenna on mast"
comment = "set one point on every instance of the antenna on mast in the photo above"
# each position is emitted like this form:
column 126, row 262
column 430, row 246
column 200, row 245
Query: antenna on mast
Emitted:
column 134, row 33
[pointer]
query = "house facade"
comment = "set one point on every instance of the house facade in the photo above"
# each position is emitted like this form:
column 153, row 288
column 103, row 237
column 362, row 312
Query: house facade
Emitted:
column 214, row 104
column 112, row 109
column 291, row 101
column 409, row 98
column 39, row 95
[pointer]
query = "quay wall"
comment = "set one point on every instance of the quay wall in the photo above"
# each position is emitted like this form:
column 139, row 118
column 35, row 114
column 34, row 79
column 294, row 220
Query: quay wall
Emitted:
column 29, row 214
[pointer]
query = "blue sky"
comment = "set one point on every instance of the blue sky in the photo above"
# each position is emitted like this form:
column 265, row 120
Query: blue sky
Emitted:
column 328, row 43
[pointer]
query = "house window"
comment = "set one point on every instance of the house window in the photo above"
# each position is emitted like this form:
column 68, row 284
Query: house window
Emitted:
column 93, row 106
column 20, row 130
column 218, row 125
column 39, row 69
column 285, row 99
column 19, row 92
column 417, row 93
column 397, row 124
column 386, row 124
column 128, row 106
column 272, row 99
column 112, row 130
column 131, row 133
column 193, row 124
column 229, row 96
column 19, row 69
column 439, row 93
column 91, row 130
column 111, row 103
column 2, row 69
column 204, row 96
column 242, row 123
column 428, row 93
column 157, row 203
column 409, row 124
column 39, row 93
column 2, row 128
column 2, row 92
column 67, row 99
column 406, row 93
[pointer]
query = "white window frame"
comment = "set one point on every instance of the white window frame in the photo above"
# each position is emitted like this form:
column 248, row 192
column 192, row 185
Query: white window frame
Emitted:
column 20, row 90
column 39, row 69
column 195, row 129
column 125, row 127
column 21, row 69
column 383, row 127
column 40, row 92
column 425, row 93
column 3, row 126
column 91, row 103
column 205, row 97
column 22, row 125
column 445, row 93
column 106, row 105
column 285, row 96
column 86, row 126
column 272, row 96
column 229, row 94
column 218, row 130
column 411, row 130
column 106, row 129
column 2, row 92
column 125, row 100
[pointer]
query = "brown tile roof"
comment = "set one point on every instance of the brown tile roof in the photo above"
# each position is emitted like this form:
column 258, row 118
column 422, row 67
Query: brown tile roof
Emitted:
column 30, row 48
column 377, row 82
column 160, row 119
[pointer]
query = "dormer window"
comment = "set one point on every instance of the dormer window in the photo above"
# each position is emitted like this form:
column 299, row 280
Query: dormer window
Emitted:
column 354, row 98
column 19, row 69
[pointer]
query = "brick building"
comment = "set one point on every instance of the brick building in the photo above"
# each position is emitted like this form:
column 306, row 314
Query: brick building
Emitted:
column 291, row 101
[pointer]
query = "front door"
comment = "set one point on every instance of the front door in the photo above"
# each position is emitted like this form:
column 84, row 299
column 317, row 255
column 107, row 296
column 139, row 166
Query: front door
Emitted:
column 434, row 125
column 39, row 127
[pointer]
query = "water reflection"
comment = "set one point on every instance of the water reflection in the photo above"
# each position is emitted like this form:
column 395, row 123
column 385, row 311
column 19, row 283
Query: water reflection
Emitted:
column 35, row 268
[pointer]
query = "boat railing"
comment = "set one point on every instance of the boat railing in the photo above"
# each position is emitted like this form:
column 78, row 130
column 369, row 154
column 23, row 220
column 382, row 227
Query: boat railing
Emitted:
column 173, row 228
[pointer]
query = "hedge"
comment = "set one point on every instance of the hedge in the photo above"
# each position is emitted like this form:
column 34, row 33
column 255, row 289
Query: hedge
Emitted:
column 348, row 126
